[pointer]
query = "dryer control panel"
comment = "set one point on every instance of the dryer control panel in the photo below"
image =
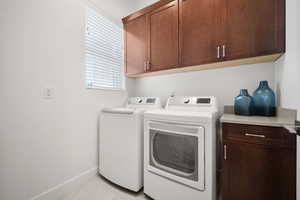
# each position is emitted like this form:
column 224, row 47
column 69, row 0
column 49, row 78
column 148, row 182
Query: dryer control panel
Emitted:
column 144, row 101
column 192, row 103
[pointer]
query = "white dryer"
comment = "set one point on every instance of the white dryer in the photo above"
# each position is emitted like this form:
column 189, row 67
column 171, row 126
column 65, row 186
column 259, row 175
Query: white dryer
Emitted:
column 121, row 142
column 180, row 150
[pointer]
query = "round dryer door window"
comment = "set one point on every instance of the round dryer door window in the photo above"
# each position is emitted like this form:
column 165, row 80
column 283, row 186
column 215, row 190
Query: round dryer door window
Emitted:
column 177, row 152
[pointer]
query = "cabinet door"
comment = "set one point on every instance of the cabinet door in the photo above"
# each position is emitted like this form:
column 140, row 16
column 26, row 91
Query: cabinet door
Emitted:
column 198, row 31
column 163, row 39
column 254, row 28
column 136, row 45
column 258, row 172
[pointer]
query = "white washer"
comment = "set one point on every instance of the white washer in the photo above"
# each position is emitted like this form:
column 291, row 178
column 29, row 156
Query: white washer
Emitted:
column 121, row 142
column 180, row 150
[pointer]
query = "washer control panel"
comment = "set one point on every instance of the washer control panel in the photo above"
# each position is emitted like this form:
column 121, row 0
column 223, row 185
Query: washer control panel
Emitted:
column 190, row 100
column 143, row 100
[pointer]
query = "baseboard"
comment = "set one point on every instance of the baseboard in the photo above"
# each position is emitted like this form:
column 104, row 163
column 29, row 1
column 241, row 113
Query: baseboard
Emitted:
column 66, row 188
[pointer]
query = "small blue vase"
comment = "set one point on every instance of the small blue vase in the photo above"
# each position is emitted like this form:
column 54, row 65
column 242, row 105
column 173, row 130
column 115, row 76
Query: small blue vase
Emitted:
column 244, row 104
column 264, row 100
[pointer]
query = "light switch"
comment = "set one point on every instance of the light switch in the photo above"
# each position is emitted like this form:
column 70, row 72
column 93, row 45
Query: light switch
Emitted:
column 48, row 93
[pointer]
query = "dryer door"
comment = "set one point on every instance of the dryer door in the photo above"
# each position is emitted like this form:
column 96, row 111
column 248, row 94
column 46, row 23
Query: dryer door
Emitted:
column 177, row 152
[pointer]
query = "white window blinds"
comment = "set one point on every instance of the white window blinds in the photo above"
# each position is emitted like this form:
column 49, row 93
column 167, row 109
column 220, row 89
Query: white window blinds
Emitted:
column 104, row 52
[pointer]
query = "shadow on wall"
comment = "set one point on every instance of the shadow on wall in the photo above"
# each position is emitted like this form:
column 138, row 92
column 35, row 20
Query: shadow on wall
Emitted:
column 278, row 94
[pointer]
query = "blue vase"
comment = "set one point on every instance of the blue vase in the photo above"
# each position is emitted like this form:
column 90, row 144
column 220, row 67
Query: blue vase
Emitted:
column 264, row 100
column 243, row 104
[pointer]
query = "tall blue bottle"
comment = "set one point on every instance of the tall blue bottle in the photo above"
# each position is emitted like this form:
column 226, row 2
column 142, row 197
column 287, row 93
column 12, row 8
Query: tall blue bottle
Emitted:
column 264, row 100
column 243, row 103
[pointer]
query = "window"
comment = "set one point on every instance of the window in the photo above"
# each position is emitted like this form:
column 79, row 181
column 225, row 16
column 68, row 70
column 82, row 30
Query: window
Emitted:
column 104, row 52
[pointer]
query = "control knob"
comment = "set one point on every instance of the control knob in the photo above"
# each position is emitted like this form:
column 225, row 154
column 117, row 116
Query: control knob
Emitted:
column 186, row 101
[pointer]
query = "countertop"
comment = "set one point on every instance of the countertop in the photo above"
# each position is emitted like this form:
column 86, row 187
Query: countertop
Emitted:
column 285, row 117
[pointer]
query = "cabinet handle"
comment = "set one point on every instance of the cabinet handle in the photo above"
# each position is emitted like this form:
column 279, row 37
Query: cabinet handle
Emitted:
column 224, row 50
column 145, row 66
column 225, row 152
column 148, row 65
column 254, row 135
column 218, row 52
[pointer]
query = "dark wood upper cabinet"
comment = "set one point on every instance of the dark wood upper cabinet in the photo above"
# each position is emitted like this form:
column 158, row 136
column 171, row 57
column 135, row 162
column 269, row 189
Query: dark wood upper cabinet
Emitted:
column 259, row 163
column 163, row 37
column 172, row 35
column 198, row 31
column 254, row 28
column 136, row 54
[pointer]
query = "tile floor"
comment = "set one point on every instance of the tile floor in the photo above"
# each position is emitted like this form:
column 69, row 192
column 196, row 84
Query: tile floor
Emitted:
column 98, row 188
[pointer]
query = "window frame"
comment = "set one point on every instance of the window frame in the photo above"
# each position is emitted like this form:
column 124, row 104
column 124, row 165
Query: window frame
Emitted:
column 113, row 20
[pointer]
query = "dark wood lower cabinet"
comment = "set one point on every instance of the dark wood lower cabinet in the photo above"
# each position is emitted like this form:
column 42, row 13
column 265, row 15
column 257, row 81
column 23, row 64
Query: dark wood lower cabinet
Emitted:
column 261, row 168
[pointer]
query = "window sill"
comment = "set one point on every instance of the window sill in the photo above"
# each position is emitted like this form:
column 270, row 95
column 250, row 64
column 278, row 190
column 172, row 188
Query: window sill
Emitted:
column 107, row 89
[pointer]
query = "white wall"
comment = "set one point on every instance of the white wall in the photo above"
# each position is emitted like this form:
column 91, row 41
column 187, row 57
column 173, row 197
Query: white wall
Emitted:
column 143, row 3
column 288, row 69
column 46, row 142
column 223, row 83
column 117, row 9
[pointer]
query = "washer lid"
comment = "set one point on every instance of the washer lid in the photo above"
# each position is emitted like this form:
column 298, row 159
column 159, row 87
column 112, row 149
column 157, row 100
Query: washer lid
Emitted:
column 128, row 111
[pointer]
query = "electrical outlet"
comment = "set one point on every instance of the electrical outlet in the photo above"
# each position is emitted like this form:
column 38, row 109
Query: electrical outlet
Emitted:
column 48, row 93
